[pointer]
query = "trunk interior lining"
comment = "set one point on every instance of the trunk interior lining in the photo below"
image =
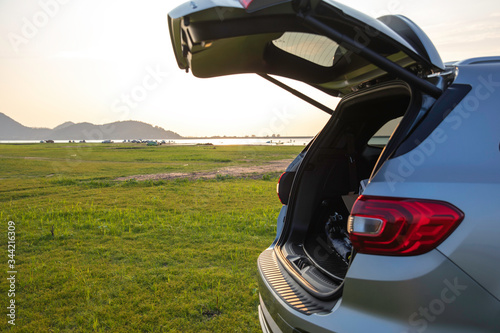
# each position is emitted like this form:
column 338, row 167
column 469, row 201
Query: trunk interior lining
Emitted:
column 310, row 243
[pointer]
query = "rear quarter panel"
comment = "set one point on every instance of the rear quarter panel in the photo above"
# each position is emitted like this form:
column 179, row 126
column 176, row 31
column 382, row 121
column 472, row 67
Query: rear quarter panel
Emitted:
column 460, row 163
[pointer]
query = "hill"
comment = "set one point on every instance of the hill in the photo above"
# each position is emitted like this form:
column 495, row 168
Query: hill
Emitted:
column 12, row 130
column 121, row 130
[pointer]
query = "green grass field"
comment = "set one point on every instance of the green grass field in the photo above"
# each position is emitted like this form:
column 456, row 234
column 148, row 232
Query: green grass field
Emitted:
column 98, row 255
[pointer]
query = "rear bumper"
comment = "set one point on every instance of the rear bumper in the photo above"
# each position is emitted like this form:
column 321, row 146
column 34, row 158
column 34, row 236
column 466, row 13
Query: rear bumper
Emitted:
column 383, row 294
column 284, row 305
column 267, row 326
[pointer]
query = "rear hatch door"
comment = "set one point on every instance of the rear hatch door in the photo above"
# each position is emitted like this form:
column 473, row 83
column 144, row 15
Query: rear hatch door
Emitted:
column 320, row 42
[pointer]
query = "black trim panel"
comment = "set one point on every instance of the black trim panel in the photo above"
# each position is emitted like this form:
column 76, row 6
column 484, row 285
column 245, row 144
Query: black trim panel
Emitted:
column 440, row 110
column 286, row 288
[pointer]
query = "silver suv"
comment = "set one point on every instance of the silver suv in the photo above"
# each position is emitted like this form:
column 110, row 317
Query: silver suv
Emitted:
column 396, row 234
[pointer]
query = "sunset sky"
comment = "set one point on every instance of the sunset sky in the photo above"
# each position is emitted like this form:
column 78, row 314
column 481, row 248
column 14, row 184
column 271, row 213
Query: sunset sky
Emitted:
column 81, row 63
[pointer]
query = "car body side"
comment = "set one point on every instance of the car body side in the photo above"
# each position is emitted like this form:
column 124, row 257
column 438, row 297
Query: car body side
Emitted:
column 454, row 288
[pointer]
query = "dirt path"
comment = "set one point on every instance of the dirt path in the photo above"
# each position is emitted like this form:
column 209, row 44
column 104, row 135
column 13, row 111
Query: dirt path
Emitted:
column 254, row 171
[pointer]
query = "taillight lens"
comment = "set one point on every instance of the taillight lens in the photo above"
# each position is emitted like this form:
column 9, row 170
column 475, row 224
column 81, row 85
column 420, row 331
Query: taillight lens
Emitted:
column 246, row 3
column 398, row 226
column 285, row 186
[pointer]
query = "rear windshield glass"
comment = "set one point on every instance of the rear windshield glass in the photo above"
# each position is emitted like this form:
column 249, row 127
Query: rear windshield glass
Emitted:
column 381, row 138
column 314, row 48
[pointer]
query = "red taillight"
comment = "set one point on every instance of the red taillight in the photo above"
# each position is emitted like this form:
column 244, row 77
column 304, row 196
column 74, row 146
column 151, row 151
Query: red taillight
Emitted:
column 278, row 187
column 285, row 186
column 246, row 3
column 397, row 226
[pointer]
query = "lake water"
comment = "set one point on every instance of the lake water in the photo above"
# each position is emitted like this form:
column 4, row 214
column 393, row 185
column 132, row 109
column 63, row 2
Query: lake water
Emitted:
column 296, row 141
column 289, row 141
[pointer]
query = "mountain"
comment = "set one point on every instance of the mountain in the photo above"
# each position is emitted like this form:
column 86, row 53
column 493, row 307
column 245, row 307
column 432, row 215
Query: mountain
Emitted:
column 12, row 130
column 64, row 125
column 121, row 130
